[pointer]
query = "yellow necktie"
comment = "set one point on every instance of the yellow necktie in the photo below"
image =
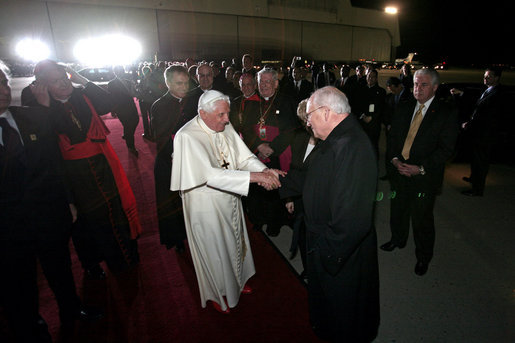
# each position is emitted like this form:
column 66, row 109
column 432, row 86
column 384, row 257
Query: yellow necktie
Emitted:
column 415, row 124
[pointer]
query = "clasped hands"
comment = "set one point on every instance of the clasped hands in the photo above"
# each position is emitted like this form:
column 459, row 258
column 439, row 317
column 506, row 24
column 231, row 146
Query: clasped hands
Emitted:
column 405, row 169
column 264, row 151
column 268, row 178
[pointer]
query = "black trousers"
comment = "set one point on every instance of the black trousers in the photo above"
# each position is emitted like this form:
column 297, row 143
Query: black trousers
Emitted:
column 411, row 204
column 145, row 117
column 129, row 122
column 47, row 237
column 479, row 166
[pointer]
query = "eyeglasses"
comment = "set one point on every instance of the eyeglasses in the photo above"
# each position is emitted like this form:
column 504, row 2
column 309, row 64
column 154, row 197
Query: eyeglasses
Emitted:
column 310, row 113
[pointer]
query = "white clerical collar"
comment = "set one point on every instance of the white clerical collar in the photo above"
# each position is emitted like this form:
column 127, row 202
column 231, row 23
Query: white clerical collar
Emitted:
column 205, row 90
column 176, row 97
column 246, row 97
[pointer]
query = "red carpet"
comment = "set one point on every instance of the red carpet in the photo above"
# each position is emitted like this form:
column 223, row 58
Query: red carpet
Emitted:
column 159, row 300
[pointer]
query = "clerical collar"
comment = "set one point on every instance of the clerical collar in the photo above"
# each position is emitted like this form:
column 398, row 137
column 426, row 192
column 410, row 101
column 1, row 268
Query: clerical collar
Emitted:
column 246, row 97
column 64, row 101
column 176, row 97
column 205, row 90
column 268, row 97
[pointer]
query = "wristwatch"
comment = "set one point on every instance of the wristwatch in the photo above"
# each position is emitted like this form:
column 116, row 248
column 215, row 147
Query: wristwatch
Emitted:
column 422, row 170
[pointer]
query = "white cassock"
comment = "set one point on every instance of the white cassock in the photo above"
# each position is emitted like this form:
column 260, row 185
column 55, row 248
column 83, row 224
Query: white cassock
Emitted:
column 213, row 213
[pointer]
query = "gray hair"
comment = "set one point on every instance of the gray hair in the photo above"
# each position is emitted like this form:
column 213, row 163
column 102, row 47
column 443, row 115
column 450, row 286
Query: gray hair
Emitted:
column 333, row 98
column 267, row 71
column 435, row 77
column 208, row 100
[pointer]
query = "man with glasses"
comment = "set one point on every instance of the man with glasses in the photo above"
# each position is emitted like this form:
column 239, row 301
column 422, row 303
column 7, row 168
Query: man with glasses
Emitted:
column 338, row 197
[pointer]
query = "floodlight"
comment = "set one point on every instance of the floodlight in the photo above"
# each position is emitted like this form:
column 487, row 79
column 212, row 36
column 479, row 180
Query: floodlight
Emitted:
column 32, row 50
column 391, row 10
column 107, row 50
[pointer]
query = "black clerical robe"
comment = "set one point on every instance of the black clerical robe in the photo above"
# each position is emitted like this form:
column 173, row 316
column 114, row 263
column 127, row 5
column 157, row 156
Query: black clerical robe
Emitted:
column 271, row 121
column 168, row 116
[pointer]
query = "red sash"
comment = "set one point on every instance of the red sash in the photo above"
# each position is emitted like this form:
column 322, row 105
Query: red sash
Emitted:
column 97, row 143
column 268, row 134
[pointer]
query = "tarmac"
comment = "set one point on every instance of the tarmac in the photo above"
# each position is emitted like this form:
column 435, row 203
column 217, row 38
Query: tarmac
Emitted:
column 468, row 293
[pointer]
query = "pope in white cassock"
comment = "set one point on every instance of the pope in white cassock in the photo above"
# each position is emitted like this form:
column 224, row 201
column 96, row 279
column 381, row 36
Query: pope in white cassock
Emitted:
column 212, row 167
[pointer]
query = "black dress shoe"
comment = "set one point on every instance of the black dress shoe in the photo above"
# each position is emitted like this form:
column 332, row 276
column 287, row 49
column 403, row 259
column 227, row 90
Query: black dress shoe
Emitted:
column 421, row 268
column 472, row 193
column 273, row 230
column 467, row 179
column 95, row 273
column 389, row 246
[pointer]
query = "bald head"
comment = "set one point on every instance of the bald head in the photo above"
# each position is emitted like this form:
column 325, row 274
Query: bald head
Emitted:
column 54, row 76
column 205, row 76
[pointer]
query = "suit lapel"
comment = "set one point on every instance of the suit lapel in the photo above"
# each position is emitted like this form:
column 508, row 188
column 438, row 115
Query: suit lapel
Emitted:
column 428, row 117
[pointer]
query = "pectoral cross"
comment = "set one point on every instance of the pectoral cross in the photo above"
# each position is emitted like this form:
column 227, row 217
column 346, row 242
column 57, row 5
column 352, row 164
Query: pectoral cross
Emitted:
column 225, row 164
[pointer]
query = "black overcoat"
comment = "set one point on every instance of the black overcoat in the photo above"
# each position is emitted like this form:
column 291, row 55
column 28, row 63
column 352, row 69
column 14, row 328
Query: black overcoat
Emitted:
column 342, row 262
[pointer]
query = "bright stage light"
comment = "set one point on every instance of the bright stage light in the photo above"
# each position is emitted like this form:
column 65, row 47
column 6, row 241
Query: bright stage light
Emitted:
column 391, row 10
column 107, row 50
column 32, row 50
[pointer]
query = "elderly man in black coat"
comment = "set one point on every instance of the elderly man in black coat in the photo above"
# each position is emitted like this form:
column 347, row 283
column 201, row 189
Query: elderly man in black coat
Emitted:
column 338, row 198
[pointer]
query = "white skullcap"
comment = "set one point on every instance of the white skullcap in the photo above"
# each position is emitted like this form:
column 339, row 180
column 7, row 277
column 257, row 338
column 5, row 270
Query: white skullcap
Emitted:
column 208, row 99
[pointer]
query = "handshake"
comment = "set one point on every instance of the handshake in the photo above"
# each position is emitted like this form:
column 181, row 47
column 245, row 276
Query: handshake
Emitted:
column 268, row 178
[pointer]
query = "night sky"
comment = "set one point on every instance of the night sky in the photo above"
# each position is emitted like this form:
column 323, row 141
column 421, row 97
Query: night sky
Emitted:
column 458, row 32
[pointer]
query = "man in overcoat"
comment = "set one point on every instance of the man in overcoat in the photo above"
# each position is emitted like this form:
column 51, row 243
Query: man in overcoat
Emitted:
column 338, row 199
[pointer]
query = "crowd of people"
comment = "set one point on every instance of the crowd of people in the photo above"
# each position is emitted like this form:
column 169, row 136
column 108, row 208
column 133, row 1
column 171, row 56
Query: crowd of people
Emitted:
column 273, row 145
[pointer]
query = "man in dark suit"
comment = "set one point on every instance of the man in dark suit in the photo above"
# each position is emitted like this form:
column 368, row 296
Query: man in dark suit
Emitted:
column 356, row 89
column 325, row 77
column 35, row 220
column 122, row 94
column 338, row 197
column 371, row 109
column 205, row 77
column 483, row 127
column 398, row 95
column 343, row 83
column 302, row 88
column 421, row 140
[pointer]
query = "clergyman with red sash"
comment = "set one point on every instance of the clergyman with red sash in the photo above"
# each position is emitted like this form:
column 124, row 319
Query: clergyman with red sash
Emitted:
column 107, row 219
column 268, row 126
